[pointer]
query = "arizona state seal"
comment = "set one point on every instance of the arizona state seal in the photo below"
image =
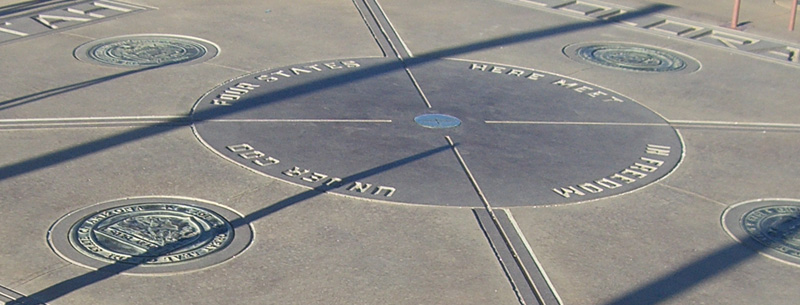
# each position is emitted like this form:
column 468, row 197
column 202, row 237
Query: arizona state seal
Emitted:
column 148, row 235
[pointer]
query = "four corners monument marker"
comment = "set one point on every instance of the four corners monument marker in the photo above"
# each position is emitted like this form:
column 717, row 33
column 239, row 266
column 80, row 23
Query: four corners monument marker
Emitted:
column 435, row 132
column 530, row 137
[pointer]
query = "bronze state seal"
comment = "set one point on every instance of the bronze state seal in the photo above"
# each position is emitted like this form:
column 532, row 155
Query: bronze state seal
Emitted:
column 149, row 235
column 769, row 226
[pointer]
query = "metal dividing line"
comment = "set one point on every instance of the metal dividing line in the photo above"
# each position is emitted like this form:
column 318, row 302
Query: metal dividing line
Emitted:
column 526, row 278
column 387, row 38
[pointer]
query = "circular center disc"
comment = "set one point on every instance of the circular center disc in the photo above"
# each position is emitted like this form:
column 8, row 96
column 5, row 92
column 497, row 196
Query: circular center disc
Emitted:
column 437, row 121
column 352, row 127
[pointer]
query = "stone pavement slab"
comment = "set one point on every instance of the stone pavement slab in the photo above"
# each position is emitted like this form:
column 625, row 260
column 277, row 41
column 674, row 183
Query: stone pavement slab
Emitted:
column 400, row 152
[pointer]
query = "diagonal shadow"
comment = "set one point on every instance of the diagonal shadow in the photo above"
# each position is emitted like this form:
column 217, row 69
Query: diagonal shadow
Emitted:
column 22, row 100
column 677, row 282
column 346, row 180
column 78, row 151
column 53, row 158
column 25, row 99
column 58, row 290
column 671, row 285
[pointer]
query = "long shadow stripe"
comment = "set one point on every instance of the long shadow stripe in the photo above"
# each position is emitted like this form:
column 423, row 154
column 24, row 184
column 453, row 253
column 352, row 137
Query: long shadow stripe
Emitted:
column 75, row 152
column 73, row 284
column 78, row 151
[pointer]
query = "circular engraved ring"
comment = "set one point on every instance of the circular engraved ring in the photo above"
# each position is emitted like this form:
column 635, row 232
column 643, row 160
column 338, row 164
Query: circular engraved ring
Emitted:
column 631, row 57
column 149, row 235
column 308, row 123
column 771, row 227
column 146, row 50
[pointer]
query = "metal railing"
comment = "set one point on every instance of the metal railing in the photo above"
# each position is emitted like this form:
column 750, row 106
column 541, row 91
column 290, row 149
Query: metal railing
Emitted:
column 737, row 4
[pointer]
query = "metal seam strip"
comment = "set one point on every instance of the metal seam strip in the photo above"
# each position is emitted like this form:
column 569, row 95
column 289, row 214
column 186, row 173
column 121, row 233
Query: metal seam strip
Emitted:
column 514, row 274
column 518, row 274
column 380, row 24
column 10, row 296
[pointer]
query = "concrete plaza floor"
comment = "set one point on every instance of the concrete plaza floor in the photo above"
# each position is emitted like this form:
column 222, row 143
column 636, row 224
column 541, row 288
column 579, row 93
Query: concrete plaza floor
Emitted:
column 75, row 133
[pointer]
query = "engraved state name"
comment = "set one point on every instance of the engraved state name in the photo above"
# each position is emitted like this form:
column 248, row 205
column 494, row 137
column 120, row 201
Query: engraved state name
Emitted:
column 90, row 244
column 71, row 15
column 247, row 152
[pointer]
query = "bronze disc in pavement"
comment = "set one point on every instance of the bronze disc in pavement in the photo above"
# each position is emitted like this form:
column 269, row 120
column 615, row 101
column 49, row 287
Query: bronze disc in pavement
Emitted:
column 146, row 50
column 769, row 226
column 149, row 235
column 631, row 57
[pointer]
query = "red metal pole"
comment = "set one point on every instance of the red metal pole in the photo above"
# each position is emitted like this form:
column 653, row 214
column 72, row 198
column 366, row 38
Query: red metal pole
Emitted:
column 794, row 14
column 735, row 19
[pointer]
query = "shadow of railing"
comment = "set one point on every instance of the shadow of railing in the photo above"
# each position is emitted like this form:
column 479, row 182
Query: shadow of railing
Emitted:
column 40, row 162
column 677, row 282
column 50, row 159
column 33, row 97
column 690, row 275
column 55, row 291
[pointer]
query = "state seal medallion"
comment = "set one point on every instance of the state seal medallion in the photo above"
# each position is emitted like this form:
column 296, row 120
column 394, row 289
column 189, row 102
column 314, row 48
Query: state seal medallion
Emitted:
column 631, row 57
column 771, row 227
column 148, row 50
column 149, row 235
